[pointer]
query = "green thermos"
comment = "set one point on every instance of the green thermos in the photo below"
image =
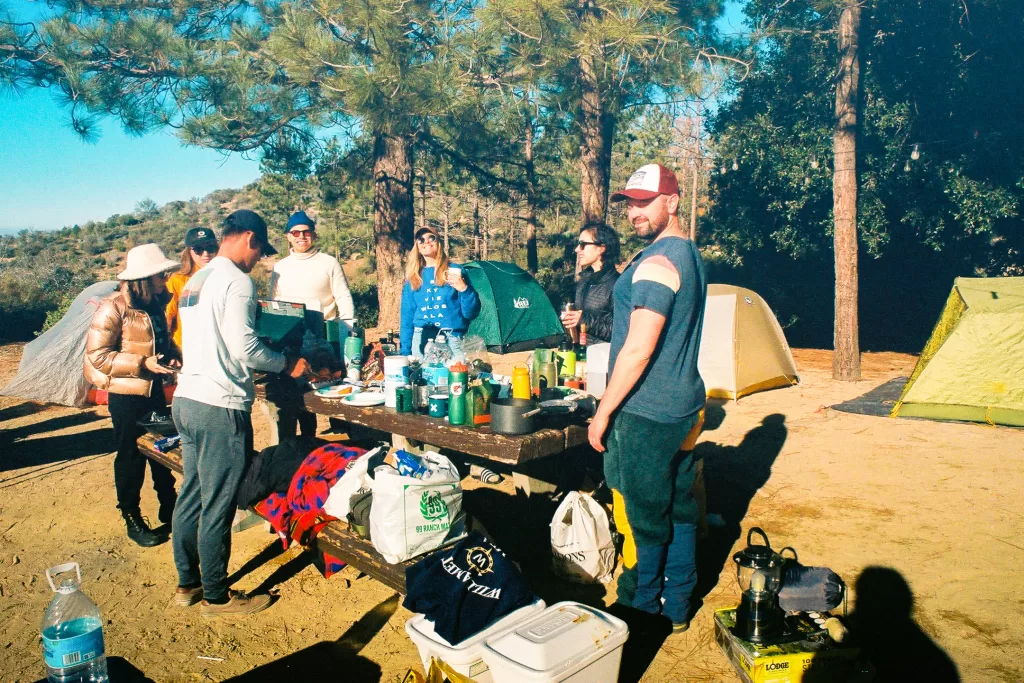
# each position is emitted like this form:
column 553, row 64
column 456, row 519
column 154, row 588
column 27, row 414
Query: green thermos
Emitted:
column 353, row 352
column 458, row 378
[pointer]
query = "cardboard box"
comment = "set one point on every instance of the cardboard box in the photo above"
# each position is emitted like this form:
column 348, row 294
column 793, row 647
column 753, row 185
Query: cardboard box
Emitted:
column 801, row 661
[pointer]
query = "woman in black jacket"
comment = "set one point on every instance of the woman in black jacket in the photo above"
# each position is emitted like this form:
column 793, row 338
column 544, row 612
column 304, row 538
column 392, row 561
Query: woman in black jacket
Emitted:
column 597, row 252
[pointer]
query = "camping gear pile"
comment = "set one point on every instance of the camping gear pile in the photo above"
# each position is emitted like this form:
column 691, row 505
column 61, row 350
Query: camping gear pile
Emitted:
column 773, row 587
column 477, row 619
column 783, row 625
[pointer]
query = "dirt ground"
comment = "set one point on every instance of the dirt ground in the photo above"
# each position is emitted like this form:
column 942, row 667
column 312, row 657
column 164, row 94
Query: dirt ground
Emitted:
column 932, row 508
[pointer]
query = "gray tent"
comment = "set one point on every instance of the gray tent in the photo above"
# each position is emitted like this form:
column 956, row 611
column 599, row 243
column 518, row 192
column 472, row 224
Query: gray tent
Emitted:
column 51, row 364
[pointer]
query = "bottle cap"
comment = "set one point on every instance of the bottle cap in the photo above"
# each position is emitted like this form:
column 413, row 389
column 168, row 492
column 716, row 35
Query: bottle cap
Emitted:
column 458, row 366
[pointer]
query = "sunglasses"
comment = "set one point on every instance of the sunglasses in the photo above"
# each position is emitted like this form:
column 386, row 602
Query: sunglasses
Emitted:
column 426, row 239
column 204, row 251
column 583, row 245
column 300, row 233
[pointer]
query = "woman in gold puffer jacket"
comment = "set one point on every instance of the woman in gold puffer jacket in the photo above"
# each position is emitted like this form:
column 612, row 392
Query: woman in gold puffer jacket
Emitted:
column 125, row 353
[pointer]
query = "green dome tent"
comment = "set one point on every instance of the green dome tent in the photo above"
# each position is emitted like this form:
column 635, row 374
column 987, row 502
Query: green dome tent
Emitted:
column 972, row 367
column 515, row 313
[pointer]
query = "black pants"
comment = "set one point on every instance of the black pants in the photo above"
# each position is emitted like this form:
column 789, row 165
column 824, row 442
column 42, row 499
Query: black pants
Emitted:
column 129, row 464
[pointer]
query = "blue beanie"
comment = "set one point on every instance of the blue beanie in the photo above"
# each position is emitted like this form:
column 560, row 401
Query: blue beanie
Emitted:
column 300, row 218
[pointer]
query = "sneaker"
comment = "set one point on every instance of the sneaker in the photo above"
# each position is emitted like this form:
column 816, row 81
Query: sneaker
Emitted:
column 186, row 597
column 680, row 628
column 239, row 604
column 139, row 531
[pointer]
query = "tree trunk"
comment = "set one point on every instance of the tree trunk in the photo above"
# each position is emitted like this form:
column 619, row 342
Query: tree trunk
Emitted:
column 846, row 358
column 696, row 176
column 476, row 225
column 423, row 199
column 531, row 199
column 393, row 220
column 597, row 130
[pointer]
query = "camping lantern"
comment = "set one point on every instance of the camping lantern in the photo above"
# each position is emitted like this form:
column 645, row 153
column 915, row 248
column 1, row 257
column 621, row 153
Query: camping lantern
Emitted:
column 759, row 619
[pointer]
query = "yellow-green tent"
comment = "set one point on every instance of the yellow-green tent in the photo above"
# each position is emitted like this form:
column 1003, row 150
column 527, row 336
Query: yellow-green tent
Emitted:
column 972, row 367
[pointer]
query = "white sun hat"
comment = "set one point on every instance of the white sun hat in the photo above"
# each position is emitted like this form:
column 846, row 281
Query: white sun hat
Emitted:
column 145, row 260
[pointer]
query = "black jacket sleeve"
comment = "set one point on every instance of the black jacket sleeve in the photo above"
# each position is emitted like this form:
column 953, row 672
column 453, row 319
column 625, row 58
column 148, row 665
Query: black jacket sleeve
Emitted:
column 595, row 296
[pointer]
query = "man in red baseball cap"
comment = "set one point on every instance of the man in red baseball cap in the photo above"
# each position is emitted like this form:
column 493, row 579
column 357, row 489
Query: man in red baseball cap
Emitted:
column 653, row 400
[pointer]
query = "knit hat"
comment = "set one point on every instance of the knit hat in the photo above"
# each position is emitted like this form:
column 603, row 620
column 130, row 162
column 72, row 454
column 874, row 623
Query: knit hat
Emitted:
column 144, row 261
column 647, row 182
column 300, row 218
column 197, row 238
column 245, row 220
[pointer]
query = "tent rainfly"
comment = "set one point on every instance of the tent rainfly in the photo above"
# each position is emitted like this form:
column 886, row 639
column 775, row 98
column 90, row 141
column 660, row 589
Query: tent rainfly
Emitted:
column 972, row 367
column 742, row 347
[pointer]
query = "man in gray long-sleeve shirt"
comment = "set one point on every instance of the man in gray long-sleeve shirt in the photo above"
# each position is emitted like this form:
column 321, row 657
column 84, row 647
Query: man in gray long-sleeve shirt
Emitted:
column 211, row 410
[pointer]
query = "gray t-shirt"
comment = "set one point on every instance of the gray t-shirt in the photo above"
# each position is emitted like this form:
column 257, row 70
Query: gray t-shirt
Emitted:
column 667, row 277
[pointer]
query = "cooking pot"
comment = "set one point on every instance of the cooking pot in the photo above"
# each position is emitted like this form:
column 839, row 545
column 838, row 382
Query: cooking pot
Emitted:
column 507, row 416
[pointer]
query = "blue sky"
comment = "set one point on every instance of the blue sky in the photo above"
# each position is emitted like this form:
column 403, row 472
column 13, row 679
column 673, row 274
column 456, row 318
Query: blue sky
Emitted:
column 50, row 177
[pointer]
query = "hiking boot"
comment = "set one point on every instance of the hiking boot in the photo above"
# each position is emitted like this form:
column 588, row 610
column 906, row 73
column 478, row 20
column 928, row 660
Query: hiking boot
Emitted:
column 139, row 531
column 239, row 604
column 680, row 628
column 186, row 597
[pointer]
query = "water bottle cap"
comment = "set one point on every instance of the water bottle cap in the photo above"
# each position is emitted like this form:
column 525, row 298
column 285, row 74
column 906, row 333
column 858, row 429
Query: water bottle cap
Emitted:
column 68, row 586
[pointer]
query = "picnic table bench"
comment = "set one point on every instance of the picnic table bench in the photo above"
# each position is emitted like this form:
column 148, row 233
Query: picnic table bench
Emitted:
column 335, row 538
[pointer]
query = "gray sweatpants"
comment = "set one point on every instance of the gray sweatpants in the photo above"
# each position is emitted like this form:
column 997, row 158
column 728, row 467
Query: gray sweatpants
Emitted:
column 215, row 443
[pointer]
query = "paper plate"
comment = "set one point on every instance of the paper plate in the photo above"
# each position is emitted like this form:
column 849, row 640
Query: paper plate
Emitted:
column 366, row 398
column 336, row 391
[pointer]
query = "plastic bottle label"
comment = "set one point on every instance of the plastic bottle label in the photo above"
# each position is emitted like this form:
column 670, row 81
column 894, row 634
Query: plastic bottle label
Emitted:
column 60, row 653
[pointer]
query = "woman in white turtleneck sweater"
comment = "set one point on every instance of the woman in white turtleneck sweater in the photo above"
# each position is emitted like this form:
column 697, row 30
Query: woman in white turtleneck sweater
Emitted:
column 309, row 276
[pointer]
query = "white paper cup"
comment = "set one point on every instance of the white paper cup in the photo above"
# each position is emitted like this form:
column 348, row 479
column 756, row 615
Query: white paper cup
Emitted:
column 454, row 272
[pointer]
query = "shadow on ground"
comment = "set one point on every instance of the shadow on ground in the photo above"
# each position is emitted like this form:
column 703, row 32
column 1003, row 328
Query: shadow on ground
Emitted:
column 331, row 660
column 883, row 626
column 732, row 476
column 54, row 449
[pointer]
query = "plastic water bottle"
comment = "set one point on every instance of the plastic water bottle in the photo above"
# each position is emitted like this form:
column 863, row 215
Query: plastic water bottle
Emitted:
column 72, row 632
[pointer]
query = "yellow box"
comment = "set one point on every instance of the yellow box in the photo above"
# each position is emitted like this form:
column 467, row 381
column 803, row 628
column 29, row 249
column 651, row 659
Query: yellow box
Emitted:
column 801, row 661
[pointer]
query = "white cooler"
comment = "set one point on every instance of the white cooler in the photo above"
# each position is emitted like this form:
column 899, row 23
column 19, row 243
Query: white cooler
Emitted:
column 464, row 658
column 566, row 642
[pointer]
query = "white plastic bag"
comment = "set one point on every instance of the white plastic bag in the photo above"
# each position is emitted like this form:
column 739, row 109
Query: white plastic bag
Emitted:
column 355, row 481
column 581, row 540
column 412, row 516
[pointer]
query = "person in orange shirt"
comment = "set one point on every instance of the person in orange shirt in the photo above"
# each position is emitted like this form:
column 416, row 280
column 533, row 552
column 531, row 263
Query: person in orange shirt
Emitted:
column 200, row 247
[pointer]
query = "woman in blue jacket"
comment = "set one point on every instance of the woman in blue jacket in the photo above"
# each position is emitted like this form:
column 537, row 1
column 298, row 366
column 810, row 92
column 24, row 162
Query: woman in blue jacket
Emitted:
column 436, row 295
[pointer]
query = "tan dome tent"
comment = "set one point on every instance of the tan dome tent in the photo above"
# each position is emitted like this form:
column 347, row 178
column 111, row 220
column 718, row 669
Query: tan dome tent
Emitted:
column 742, row 348
column 972, row 367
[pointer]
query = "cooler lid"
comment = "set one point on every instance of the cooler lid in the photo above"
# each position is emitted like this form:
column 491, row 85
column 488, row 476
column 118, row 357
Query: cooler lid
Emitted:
column 563, row 636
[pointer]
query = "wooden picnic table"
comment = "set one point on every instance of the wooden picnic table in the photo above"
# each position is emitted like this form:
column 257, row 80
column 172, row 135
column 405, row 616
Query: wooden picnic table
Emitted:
column 481, row 441
column 335, row 538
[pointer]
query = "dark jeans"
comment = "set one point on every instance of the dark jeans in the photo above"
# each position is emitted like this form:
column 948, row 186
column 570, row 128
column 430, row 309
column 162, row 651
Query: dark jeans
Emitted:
column 129, row 464
column 215, row 446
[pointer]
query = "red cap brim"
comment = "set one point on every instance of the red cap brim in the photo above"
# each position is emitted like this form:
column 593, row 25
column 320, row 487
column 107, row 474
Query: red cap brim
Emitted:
column 633, row 194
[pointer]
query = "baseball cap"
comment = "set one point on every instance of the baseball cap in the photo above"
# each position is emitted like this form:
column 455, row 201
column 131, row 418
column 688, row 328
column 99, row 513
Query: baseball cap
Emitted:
column 647, row 182
column 427, row 228
column 245, row 220
column 201, row 237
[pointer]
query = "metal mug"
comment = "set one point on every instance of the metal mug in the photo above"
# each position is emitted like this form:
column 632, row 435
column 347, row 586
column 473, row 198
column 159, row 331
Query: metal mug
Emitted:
column 438, row 405
column 404, row 399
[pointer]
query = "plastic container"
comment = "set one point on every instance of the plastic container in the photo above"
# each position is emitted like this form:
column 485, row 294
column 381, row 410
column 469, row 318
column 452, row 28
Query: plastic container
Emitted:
column 566, row 642
column 396, row 369
column 72, row 632
column 466, row 657
column 521, row 381
column 597, row 368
